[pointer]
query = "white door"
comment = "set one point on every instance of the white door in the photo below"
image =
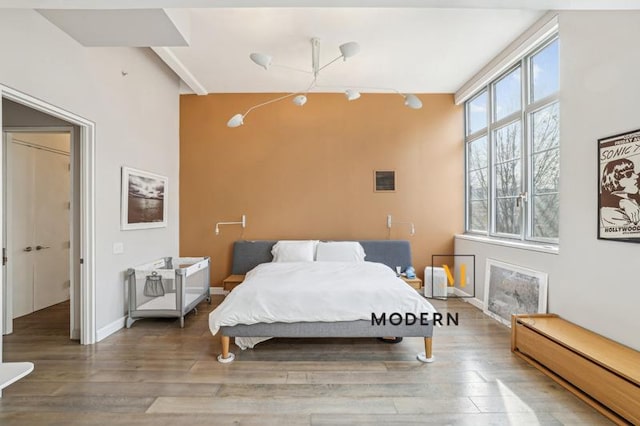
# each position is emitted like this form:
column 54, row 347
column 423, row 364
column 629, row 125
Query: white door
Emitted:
column 38, row 223
column 21, row 230
column 51, row 223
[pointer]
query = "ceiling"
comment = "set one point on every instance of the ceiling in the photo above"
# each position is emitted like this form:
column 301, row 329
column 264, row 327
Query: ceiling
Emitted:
column 428, row 46
column 410, row 50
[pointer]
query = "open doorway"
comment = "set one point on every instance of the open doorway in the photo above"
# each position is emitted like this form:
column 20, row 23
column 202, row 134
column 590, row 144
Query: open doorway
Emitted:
column 25, row 117
column 39, row 209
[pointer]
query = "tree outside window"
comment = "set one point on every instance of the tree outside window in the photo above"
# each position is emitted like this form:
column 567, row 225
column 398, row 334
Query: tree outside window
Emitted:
column 513, row 151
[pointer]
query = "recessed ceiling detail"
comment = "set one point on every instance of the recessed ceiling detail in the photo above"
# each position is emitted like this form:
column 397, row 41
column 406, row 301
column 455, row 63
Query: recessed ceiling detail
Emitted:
column 121, row 27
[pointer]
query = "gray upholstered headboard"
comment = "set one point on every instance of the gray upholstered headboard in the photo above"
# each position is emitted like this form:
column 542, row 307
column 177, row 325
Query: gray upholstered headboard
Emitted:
column 249, row 254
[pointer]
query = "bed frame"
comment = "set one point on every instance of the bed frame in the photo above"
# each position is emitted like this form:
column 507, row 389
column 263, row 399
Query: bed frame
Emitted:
column 249, row 254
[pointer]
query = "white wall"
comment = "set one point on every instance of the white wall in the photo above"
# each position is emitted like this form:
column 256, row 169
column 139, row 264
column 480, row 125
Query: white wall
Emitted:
column 593, row 283
column 598, row 283
column 137, row 124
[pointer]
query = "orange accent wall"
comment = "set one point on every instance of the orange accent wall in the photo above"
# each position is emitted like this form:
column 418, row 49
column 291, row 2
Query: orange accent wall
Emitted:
column 307, row 172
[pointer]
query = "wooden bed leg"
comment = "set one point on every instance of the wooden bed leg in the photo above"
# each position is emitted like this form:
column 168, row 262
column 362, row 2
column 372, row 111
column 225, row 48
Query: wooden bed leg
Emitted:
column 427, row 347
column 225, row 346
column 427, row 355
column 225, row 356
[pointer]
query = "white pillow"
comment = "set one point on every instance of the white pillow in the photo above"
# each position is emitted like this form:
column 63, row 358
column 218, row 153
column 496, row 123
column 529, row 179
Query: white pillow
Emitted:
column 294, row 251
column 340, row 251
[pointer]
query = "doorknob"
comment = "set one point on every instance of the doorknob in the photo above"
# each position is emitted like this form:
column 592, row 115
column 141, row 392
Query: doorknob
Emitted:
column 27, row 248
column 41, row 247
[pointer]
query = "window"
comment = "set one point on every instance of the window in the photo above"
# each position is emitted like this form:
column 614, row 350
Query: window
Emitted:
column 513, row 151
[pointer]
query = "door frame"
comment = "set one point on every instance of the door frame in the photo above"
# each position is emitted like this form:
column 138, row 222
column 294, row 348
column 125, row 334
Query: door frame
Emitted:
column 74, row 266
column 85, row 253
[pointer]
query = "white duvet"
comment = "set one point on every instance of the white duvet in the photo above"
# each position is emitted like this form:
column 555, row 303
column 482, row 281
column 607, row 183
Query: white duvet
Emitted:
column 316, row 292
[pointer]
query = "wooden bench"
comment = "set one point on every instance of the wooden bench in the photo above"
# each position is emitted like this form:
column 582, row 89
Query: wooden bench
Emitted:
column 603, row 373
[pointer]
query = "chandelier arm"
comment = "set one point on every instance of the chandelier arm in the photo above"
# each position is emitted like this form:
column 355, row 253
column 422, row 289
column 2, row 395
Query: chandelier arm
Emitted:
column 288, row 95
column 292, row 68
column 312, row 84
column 329, row 63
column 380, row 88
column 410, row 100
column 359, row 87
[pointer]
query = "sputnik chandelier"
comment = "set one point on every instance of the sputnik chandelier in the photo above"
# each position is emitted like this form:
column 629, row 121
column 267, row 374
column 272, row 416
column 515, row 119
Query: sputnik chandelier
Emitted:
column 347, row 50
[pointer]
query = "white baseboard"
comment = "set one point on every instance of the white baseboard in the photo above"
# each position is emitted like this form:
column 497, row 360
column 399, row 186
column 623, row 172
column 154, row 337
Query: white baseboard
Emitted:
column 461, row 293
column 119, row 324
column 468, row 299
column 475, row 302
column 109, row 329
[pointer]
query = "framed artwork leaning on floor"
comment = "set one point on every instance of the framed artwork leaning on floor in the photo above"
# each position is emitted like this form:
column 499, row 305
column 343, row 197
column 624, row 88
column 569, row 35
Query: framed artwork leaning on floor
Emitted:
column 511, row 289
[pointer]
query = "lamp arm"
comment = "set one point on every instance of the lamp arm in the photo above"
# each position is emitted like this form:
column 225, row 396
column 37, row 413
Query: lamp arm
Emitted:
column 410, row 100
column 292, row 68
column 288, row 95
column 329, row 63
column 242, row 222
column 386, row 89
column 391, row 223
column 228, row 223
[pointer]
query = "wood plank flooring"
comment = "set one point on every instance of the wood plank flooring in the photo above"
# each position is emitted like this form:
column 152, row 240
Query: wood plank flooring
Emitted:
column 159, row 374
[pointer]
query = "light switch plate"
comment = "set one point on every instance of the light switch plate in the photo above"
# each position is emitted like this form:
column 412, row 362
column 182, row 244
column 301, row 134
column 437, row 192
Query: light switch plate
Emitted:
column 118, row 248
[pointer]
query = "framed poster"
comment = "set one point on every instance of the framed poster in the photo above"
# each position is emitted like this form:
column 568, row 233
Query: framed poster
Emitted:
column 511, row 289
column 144, row 200
column 618, row 187
column 384, row 180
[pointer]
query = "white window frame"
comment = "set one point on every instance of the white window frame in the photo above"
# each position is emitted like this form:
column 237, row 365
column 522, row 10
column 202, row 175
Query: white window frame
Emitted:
column 524, row 116
column 478, row 134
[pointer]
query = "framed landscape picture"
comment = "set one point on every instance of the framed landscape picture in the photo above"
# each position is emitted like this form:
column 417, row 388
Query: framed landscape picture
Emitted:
column 144, row 200
column 511, row 289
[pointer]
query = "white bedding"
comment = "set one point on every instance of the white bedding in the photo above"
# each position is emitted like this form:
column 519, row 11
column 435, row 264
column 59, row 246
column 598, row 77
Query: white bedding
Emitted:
column 315, row 292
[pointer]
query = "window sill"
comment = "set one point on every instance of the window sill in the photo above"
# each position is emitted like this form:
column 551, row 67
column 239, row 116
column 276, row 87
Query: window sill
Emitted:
column 544, row 248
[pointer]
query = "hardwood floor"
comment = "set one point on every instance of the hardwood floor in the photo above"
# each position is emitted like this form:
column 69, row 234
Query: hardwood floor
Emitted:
column 159, row 374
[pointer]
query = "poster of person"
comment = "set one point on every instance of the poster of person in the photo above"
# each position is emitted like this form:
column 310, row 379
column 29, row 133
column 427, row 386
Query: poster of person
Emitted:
column 619, row 187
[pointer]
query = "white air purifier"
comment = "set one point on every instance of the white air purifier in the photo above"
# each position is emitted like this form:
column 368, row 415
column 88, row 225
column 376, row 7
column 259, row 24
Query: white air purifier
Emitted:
column 435, row 282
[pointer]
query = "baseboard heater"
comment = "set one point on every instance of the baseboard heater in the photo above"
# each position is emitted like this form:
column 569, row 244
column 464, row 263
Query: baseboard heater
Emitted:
column 603, row 373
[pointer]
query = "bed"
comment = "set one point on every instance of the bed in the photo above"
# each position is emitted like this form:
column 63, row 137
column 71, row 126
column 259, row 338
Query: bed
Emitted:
column 253, row 312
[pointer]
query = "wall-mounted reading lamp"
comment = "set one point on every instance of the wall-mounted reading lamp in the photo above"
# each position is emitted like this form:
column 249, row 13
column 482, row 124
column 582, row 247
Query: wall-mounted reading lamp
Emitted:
column 243, row 222
column 389, row 223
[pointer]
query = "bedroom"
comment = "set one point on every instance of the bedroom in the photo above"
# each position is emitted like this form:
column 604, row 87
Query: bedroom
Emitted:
column 137, row 119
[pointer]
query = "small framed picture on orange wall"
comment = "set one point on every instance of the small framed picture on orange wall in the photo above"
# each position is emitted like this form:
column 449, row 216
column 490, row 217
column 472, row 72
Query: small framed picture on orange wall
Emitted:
column 384, row 180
